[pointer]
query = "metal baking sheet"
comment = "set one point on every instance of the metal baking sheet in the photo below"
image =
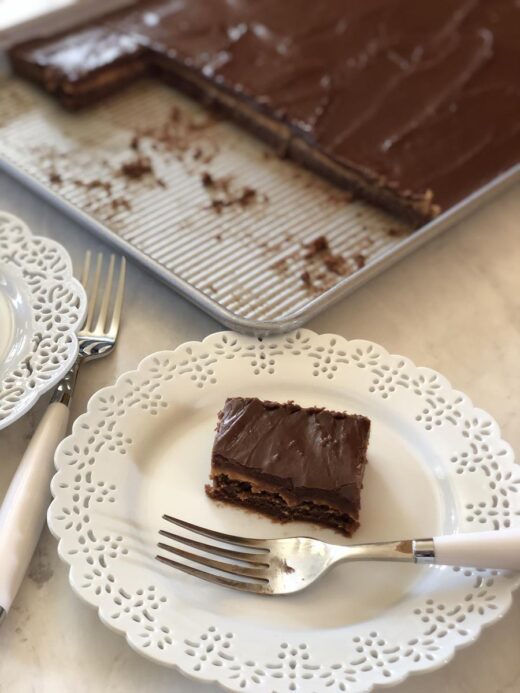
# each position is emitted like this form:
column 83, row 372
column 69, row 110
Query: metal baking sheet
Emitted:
column 219, row 217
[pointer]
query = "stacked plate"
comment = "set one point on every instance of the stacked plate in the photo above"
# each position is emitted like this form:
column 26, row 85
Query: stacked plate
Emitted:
column 41, row 309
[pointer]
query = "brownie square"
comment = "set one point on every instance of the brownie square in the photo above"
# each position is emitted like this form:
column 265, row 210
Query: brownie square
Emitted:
column 290, row 462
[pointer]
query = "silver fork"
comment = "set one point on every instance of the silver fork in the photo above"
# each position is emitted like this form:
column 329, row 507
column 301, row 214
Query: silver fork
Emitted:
column 23, row 510
column 282, row 566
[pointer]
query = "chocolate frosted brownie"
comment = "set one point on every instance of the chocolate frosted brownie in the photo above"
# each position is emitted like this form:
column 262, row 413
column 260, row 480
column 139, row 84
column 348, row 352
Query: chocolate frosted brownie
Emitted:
column 289, row 462
column 412, row 105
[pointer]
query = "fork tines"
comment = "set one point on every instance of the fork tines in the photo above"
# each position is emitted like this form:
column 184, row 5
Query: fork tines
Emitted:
column 105, row 298
column 248, row 566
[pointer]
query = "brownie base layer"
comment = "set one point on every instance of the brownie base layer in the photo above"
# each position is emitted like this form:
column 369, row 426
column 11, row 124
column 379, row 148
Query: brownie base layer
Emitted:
column 241, row 493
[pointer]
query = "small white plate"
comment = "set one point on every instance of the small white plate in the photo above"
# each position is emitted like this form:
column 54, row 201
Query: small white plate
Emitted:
column 41, row 308
column 436, row 465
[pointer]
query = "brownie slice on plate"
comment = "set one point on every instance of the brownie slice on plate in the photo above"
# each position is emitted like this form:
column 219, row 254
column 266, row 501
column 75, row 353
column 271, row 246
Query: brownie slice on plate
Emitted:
column 290, row 462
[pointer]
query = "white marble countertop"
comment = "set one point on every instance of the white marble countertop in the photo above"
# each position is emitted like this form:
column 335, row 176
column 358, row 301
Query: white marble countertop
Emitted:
column 453, row 305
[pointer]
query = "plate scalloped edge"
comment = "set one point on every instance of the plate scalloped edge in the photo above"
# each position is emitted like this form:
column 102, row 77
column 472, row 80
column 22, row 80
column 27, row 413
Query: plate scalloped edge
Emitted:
column 58, row 305
column 369, row 656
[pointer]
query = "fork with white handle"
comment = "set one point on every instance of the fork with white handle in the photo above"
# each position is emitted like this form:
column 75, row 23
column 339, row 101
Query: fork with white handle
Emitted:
column 23, row 511
column 282, row 566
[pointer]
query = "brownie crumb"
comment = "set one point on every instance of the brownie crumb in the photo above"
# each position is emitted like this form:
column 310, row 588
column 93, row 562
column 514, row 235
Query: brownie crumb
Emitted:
column 360, row 260
column 227, row 198
column 218, row 205
column 93, row 184
column 280, row 265
column 207, row 179
column 120, row 203
column 396, row 233
column 55, row 178
column 135, row 143
column 137, row 168
column 285, row 567
column 306, row 279
column 316, row 247
column 335, row 263
column 247, row 197
column 221, row 184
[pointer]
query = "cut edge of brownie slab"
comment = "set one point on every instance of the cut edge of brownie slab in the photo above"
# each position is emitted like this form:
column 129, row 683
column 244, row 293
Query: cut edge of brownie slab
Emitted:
column 289, row 462
column 118, row 57
column 414, row 208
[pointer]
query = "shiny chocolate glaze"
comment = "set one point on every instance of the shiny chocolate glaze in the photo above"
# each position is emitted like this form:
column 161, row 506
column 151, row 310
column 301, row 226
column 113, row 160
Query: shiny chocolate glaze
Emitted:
column 418, row 98
column 303, row 454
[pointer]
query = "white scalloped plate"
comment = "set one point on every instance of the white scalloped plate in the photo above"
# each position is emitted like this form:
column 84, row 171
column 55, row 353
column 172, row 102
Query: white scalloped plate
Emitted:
column 436, row 464
column 41, row 308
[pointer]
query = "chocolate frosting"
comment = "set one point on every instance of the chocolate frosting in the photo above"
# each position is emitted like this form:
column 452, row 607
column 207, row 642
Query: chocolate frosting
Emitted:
column 413, row 96
column 310, row 452
column 418, row 96
column 74, row 56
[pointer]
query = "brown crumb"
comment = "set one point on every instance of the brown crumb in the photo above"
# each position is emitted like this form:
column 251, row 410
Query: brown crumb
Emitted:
column 207, row 179
column 306, row 279
column 317, row 246
column 243, row 197
column 335, row 263
column 197, row 153
column 360, row 260
column 285, row 567
column 55, row 178
column 222, row 184
column 396, row 233
column 218, row 237
column 135, row 143
column 120, row 203
column 137, row 168
column 218, row 205
column 93, row 184
column 280, row 265
column 247, row 197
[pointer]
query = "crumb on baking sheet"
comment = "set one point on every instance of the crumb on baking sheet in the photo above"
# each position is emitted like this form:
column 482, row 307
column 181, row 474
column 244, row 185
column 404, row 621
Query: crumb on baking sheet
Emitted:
column 318, row 245
column 335, row 263
column 397, row 232
column 137, row 168
column 118, row 203
column 94, row 184
column 306, row 279
column 360, row 260
column 280, row 265
column 55, row 178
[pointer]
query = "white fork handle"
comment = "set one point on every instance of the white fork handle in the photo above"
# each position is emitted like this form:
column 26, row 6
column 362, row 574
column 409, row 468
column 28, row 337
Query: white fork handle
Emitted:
column 23, row 511
column 498, row 549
